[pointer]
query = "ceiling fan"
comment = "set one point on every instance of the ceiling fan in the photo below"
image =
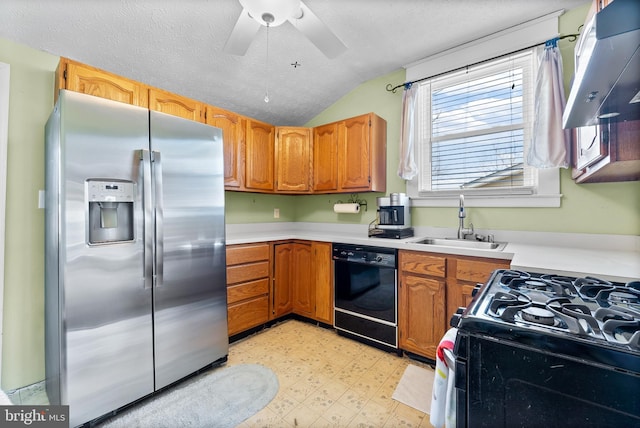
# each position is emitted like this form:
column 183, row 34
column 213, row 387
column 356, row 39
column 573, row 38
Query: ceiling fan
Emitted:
column 271, row 13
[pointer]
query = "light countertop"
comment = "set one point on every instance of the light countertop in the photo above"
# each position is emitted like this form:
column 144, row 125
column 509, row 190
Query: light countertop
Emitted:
column 609, row 257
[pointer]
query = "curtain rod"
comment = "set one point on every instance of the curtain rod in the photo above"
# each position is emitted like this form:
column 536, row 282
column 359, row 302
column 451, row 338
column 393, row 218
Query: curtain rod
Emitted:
column 552, row 42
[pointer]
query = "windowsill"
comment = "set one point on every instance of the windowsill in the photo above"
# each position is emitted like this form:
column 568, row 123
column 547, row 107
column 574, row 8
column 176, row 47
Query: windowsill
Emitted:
column 514, row 201
column 547, row 194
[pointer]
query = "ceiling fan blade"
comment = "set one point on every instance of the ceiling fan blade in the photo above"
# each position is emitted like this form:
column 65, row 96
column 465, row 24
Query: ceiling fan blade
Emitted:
column 242, row 34
column 319, row 34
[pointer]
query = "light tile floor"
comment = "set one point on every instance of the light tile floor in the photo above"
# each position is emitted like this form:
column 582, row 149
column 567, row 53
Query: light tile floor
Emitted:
column 326, row 380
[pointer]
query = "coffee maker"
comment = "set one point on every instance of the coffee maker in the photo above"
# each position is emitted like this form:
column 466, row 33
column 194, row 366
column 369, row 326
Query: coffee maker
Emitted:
column 393, row 217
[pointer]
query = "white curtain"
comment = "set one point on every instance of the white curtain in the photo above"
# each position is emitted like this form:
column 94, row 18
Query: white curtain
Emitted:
column 549, row 144
column 407, row 169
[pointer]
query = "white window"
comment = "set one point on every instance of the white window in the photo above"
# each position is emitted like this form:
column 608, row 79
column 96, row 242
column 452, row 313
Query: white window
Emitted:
column 475, row 125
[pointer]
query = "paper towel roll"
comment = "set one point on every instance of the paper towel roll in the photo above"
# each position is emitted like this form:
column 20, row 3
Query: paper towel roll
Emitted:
column 346, row 208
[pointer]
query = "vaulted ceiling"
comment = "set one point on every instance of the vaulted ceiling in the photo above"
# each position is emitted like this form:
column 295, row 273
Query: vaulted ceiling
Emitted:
column 178, row 45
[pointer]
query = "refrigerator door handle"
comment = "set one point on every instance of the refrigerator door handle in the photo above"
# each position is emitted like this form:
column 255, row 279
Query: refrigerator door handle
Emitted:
column 145, row 159
column 157, row 176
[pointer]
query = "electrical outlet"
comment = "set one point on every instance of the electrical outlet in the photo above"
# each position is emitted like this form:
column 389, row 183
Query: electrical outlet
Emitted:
column 276, row 213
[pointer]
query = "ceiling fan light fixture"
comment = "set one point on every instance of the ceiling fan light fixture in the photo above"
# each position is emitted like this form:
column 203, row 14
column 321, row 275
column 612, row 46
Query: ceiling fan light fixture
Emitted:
column 278, row 11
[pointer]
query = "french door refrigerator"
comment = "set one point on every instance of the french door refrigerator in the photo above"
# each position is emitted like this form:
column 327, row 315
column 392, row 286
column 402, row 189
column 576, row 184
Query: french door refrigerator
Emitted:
column 135, row 294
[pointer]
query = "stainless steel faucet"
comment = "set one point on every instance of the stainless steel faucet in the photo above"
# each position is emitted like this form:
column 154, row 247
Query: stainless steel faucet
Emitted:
column 462, row 231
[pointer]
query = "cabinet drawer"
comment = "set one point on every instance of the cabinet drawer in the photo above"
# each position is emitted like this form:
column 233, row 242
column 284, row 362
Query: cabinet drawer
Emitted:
column 477, row 271
column 237, row 254
column 245, row 315
column 422, row 264
column 247, row 272
column 236, row 293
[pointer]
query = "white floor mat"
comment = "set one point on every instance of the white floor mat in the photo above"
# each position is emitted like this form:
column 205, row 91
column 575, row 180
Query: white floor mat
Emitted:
column 414, row 388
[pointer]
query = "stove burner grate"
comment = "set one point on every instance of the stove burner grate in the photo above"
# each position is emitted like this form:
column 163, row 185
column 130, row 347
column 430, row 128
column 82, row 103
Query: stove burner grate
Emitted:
column 550, row 287
column 619, row 295
column 506, row 305
column 509, row 275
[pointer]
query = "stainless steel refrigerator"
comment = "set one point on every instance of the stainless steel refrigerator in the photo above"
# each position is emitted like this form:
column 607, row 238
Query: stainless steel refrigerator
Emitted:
column 135, row 294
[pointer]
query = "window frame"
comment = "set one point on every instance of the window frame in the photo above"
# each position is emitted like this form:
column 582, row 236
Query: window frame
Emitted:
column 547, row 192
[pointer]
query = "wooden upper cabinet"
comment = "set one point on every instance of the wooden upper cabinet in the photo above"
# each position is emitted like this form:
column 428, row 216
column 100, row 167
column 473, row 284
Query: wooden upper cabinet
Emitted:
column 612, row 154
column 293, row 159
column 362, row 154
column 89, row 80
column 259, row 156
column 176, row 105
column 325, row 158
column 232, row 126
column 354, row 171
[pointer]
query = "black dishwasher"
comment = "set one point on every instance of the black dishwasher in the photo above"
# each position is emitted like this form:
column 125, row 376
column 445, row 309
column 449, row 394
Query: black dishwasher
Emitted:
column 365, row 280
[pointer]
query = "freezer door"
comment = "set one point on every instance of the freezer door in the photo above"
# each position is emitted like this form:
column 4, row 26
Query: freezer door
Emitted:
column 190, row 301
column 105, row 319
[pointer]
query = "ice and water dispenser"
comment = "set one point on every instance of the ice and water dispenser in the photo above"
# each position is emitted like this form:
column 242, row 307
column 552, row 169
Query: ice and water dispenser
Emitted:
column 110, row 215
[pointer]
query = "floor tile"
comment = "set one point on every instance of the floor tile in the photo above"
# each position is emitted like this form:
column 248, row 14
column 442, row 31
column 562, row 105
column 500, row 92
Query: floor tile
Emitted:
column 326, row 380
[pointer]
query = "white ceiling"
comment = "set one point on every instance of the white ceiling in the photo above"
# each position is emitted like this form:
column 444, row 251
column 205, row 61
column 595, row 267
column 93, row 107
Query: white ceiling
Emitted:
column 177, row 44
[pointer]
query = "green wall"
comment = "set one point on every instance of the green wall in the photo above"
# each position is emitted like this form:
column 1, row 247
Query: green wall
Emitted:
column 30, row 103
column 595, row 208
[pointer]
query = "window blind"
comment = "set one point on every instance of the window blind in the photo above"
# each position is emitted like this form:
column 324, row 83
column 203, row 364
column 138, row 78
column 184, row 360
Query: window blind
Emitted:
column 475, row 126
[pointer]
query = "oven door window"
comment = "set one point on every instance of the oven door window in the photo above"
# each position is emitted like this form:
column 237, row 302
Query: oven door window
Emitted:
column 366, row 289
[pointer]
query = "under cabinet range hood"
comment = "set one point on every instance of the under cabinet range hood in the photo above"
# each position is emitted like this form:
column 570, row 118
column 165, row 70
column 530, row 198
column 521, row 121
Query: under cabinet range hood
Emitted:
column 606, row 85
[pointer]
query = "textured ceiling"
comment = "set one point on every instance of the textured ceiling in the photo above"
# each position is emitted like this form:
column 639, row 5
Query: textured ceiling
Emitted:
column 177, row 45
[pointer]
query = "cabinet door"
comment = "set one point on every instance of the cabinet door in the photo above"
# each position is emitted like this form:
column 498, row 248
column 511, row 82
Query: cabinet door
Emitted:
column 325, row 158
column 590, row 146
column 233, row 137
column 323, row 278
column 421, row 314
column 260, row 150
column 282, row 293
column 175, row 105
column 293, row 166
column 92, row 81
column 354, row 161
column 463, row 275
column 302, row 280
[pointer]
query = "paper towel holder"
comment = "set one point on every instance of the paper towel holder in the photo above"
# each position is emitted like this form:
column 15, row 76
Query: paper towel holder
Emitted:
column 353, row 199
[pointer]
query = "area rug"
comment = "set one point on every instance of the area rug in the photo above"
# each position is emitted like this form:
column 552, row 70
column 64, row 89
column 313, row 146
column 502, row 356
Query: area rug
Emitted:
column 221, row 398
column 414, row 388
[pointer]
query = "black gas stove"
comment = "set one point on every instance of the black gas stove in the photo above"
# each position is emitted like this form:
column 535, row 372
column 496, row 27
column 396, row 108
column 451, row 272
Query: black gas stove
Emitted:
column 547, row 350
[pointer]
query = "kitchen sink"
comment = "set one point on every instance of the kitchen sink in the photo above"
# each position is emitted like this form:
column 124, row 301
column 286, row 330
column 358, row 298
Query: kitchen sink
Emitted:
column 462, row 243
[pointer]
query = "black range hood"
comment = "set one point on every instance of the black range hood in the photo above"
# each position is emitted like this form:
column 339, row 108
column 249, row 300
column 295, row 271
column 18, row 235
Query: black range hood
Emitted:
column 606, row 85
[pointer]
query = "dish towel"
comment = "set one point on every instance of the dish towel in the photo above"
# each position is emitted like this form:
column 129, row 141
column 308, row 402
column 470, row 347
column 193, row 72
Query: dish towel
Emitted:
column 443, row 398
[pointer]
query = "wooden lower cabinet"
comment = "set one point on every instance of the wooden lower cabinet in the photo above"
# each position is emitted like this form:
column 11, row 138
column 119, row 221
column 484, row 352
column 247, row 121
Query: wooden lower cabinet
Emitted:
column 322, row 267
column 463, row 275
column 431, row 287
column 282, row 293
column 248, row 286
column 303, row 280
column 421, row 302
